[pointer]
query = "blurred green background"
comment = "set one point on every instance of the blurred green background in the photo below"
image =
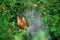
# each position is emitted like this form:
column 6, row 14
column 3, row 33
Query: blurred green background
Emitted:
column 49, row 8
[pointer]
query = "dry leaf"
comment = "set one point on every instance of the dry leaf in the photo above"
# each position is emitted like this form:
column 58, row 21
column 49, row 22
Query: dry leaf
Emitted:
column 21, row 22
column 35, row 5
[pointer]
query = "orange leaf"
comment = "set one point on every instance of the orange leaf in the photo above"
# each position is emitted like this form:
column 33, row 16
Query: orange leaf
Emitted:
column 21, row 22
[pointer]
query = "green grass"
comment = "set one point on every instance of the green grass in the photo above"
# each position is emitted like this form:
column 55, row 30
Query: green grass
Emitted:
column 49, row 8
